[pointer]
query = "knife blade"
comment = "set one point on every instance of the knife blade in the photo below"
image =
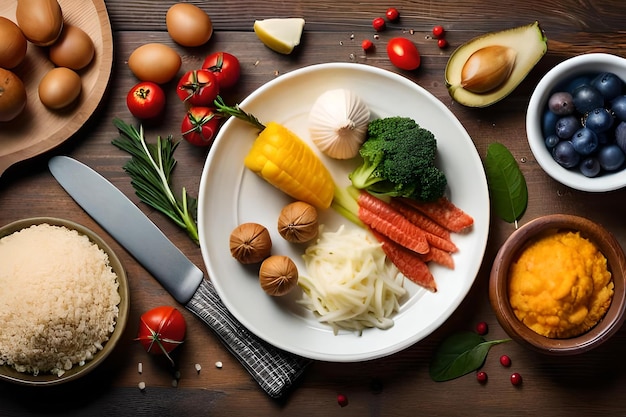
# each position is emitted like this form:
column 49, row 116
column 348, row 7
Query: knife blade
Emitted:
column 273, row 369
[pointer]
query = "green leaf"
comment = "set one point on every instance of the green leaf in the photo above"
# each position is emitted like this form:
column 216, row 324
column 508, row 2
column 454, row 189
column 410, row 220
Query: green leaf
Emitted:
column 507, row 185
column 460, row 354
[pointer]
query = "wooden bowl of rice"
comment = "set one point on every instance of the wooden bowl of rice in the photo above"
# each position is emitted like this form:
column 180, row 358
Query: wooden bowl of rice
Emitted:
column 64, row 304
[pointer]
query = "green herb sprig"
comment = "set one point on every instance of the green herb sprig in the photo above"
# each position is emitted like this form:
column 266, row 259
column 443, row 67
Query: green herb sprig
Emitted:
column 460, row 354
column 150, row 170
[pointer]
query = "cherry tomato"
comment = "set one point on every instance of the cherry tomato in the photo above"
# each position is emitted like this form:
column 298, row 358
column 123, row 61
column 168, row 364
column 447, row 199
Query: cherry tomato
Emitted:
column 146, row 100
column 200, row 126
column 392, row 14
column 198, row 88
column 378, row 24
column 161, row 330
column 225, row 66
column 403, row 54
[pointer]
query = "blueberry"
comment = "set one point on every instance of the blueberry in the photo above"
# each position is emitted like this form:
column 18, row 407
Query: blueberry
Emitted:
column 561, row 103
column 584, row 141
column 565, row 154
column 608, row 84
column 620, row 136
column 598, row 120
column 578, row 82
column 548, row 123
column 567, row 126
column 587, row 98
column 590, row 167
column 611, row 157
column 618, row 107
column 552, row 141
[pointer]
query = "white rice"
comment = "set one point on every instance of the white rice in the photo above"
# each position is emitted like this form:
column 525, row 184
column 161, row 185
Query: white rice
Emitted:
column 58, row 299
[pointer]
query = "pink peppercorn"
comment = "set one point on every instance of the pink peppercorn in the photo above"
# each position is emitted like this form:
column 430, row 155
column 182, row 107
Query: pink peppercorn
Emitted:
column 392, row 14
column 378, row 24
column 505, row 361
column 367, row 45
column 442, row 43
column 342, row 400
column 481, row 376
column 438, row 32
column 482, row 328
column 516, row 379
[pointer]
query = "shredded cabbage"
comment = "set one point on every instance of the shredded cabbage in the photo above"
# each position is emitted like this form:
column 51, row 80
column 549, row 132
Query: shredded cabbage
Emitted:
column 350, row 284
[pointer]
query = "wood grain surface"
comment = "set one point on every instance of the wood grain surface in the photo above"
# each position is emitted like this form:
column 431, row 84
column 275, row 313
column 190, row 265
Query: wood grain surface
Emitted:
column 398, row 385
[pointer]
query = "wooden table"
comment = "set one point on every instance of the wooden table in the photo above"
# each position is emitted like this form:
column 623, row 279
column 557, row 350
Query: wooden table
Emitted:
column 592, row 384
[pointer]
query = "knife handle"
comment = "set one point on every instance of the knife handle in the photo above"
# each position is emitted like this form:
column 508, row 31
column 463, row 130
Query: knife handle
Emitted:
column 273, row 369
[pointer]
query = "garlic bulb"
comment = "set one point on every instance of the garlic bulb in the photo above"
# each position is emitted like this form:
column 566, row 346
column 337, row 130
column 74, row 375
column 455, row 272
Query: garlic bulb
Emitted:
column 338, row 123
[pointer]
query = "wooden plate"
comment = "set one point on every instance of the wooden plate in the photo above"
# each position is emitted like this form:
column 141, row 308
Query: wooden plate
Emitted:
column 39, row 129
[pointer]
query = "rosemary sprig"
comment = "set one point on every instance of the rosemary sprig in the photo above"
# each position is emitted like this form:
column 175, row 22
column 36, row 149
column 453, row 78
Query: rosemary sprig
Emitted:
column 236, row 111
column 150, row 170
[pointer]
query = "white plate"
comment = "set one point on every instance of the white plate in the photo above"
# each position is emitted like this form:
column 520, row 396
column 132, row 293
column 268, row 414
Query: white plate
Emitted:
column 230, row 194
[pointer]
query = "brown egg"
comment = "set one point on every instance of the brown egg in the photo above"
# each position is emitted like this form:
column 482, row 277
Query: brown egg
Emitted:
column 13, row 46
column 12, row 95
column 41, row 21
column 74, row 49
column 188, row 24
column 59, row 88
column 154, row 62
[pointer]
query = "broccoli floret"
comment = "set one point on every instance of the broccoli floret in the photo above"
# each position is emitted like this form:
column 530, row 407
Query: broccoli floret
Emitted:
column 399, row 161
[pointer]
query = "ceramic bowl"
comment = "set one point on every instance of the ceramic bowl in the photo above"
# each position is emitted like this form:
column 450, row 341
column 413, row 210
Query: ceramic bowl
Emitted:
column 42, row 379
column 555, row 80
column 509, row 253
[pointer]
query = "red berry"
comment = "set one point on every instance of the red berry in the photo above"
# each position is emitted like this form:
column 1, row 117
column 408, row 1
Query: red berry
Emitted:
column 482, row 328
column 378, row 24
column 438, row 32
column 367, row 45
column 481, row 376
column 442, row 43
column 516, row 379
column 342, row 400
column 392, row 14
column 505, row 361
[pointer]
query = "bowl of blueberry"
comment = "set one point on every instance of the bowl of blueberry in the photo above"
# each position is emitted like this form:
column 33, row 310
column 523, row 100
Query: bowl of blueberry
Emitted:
column 576, row 122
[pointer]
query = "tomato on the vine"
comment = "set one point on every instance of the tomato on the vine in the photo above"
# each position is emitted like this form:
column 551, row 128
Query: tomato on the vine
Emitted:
column 146, row 100
column 403, row 53
column 161, row 330
column 198, row 88
column 225, row 66
column 200, row 126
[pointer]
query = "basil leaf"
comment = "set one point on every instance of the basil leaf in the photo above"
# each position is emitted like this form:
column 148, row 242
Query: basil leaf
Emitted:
column 507, row 185
column 460, row 354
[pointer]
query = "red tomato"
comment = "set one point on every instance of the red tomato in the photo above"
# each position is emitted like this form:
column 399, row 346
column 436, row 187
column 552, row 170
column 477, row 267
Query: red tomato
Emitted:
column 161, row 330
column 146, row 100
column 200, row 126
column 225, row 66
column 403, row 54
column 198, row 88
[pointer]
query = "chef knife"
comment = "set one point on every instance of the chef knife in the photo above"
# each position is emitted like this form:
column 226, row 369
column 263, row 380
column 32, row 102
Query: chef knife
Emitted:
column 273, row 369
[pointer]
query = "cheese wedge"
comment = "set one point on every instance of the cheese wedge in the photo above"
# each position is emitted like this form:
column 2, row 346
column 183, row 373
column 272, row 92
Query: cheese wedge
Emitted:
column 280, row 34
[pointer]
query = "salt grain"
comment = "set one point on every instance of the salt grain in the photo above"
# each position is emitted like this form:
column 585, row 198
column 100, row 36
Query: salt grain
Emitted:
column 139, row 367
column 198, row 367
column 142, row 386
column 218, row 364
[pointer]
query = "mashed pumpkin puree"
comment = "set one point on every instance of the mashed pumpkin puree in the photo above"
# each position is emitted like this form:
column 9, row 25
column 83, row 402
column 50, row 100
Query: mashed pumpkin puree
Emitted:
column 560, row 286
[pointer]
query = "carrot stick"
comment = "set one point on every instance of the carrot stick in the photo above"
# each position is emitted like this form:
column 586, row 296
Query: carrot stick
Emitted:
column 419, row 219
column 407, row 262
column 444, row 212
column 379, row 216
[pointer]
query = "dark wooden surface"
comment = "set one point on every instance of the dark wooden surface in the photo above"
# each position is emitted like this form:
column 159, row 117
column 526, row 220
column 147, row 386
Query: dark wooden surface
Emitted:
column 398, row 385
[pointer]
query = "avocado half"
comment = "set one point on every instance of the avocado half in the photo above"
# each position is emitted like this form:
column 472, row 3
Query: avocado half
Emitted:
column 531, row 45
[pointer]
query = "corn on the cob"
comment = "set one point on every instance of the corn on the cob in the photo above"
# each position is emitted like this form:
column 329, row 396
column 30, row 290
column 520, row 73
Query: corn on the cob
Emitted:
column 281, row 158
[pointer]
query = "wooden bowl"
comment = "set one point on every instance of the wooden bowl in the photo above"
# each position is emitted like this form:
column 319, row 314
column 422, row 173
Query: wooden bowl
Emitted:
column 509, row 252
column 8, row 373
column 38, row 129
